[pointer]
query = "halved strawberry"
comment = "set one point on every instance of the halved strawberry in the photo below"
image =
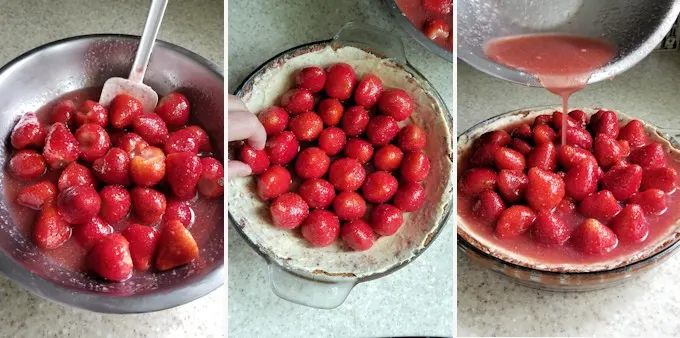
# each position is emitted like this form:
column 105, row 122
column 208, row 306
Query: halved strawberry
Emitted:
column 649, row 156
column 512, row 185
column 545, row 189
column 488, row 207
column 514, row 221
column 143, row 243
column 630, row 224
column 476, row 180
column 581, row 180
column 36, row 195
column 507, row 158
column 176, row 246
column 543, row 156
column 652, row 201
column 622, row 181
column 634, row 133
column 594, row 238
column 50, row 230
column 601, row 205
column 110, row 258
column 549, row 229
column 659, row 178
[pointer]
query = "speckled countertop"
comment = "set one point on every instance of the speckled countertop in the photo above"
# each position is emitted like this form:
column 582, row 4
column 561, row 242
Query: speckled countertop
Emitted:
column 196, row 25
column 416, row 300
column 489, row 305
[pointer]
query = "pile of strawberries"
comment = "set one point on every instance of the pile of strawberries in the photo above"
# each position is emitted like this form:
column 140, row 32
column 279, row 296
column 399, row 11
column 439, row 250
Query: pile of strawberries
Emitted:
column 129, row 155
column 608, row 175
column 341, row 139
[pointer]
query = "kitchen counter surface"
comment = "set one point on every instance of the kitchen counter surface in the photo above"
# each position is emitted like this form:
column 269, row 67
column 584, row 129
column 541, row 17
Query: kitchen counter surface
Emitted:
column 490, row 305
column 196, row 25
column 416, row 300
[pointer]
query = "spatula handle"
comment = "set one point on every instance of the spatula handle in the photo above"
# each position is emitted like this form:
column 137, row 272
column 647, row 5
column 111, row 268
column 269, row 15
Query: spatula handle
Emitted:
column 153, row 24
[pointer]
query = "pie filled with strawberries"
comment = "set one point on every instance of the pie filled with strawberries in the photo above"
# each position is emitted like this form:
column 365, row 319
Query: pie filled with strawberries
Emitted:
column 355, row 172
column 605, row 199
column 111, row 191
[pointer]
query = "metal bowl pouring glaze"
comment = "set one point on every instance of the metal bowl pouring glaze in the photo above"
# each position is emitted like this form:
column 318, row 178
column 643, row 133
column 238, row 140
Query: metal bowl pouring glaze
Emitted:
column 322, row 289
column 49, row 71
column 635, row 27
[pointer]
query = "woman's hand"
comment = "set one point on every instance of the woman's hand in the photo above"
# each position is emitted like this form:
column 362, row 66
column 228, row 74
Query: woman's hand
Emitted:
column 243, row 125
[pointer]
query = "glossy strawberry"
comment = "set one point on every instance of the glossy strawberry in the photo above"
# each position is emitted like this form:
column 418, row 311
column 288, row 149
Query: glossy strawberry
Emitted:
column 581, row 180
column 659, row 178
column 90, row 233
column 340, row 81
column 649, row 156
column 36, row 195
column 579, row 116
column 558, row 118
column 110, row 258
column 545, row 189
column 476, row 180
column 63, row 112
column 92, row 112
column 438, row 7
column 257, row 160
column 415, row 166
column 346, row 174
column 566, row 208
column 123, row 110
column 608, row 151
column 61, row 147
column 28, row 132
column 312, row 163
column 388, row 158
column 507, row 158
column 174, row 109
column 354, row 121
column 349, row 205
column 307, row 126
column 297, row 100
column 523, row 131
column 544, row 134
column 330, row 111
column 436, row 29
column 113, row 168
column 630, row 225
column 622, row 181
column 143, row 242
column 321, row 228
column 317, row 192
column 202, row 139
column 151, row 128
column 601, row 205
column 311, row 78
column 93, row 141
column 634, row 133
column 396, row 103
column 485, row 155
column 148, row 167
column 357, row 235
column 178, row 211
column 149, row 204
column 359, row 149
column 652, row 201
column 594, row 238
column 274, row 120
column 381, row 130
column 488, row 207
column 183, row 171
column 514, row 221
column 288, row 211
column 211, row 183
column 497, row 137
column 27, row 165
column 282, row 148
column 409, row 197
column 131, row 143
column 332, row 140
column 176, row 246
column 411, row 138
column 115, row 203
column 181, row 141
column 605, row 122
column 74, row 175
column 273, row 182
column 50, row 230
column 512, row 184
column 78, row 204
column 368, row 91
column 579, row 137
column 379, row 187
column 521, row 146
column 568, row 156
column 543, row 156
column 549, row 229
column 386, row 219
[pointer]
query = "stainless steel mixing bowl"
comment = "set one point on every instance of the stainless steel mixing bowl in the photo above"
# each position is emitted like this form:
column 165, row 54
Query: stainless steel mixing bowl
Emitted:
column 635, row 26
column 47, row 72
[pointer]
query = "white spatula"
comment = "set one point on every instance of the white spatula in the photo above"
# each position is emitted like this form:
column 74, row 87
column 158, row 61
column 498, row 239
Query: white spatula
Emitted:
column 133, row 85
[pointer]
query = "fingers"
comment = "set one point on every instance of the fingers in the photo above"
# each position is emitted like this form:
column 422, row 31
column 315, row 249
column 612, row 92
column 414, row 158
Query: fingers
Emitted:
column 238, row 169
column 244, row 125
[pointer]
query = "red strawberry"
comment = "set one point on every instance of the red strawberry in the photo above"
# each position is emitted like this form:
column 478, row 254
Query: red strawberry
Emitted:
column 523, row 131
column 181, row 141
column 28, row 132
column 514, row 221
column 340, row 81
column 566, row 207
column 368, row 91
column 497, row 137
column 594, row 238
column 110, row 258
column 349, row 205
column 332, row 140
column 476, row 180
column 396, row 103
column 61, row 147
column 608, row 151
column 201, row 137
column 288, row 211
column 579, row 137
column 605, row 122
column 630, row 224
column 409, row 197
column 93, row 141
column 131, row 143
column 282, row 148
column 485, row 155
column 357, row 235
column 601, row 205
column 543, row 156
column 581, row 180
column 183, row 171
column 649, row 156
column 346, row 174
column 143, row 243
column 78, row 204
column 148, row 204
column 36, row 195
column 354, row 121
column 92, row 112
column 415, row 166
column 652, row 201
column 90, row 233
column 50, row 230
column 148, row 167
column 151, row 128
column 211, row 183
column 311, row 78
column 115, row 203
column 509, row 159
column 438, row 7
column 512, row 185
column 437, row 29
column 557, row 120
column 359, row 149
column 634, row 133
column 488, row 207
column 273, row 182
column 388, row 158
column 381, row 130
column 257, row 160
column 123, row 110
column 622, row 181
column 321, row 228
column 27, row 165
column 659, row 178
column 178, row 211
column 318, row 193
column 544, row 134
column 379, row 187
column 174, row 109
column 579, row 116
column 330, row 111
column 386, row 219
column 549, row 229
column 307, row 126
column 176, row 246
column 545, row 189
column 76, row 174
column 63, row 112
column 312, row 163
column 521, row 146
column 569, row 156
column 274, row 120
column 411, row 138
column 113, row 168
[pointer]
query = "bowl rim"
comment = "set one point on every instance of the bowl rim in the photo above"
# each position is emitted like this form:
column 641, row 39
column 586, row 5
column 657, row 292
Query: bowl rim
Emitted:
column 103, row 302
column 446, row 217
column 465, row 245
